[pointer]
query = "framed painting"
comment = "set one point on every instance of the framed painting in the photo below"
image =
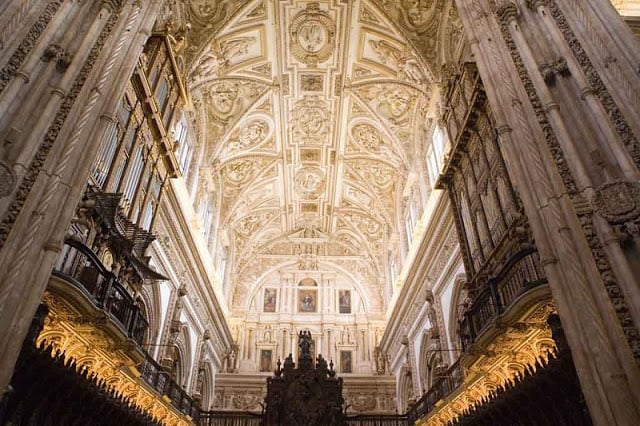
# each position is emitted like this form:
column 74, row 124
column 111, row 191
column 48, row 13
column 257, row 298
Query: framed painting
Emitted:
column 265, row 360
column 307, row 300
column 270, row 297
column 344, row 301
column 345, row 362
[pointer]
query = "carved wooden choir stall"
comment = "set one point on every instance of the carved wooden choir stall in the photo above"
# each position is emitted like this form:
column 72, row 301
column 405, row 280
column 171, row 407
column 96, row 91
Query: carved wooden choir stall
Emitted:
column 307, row 395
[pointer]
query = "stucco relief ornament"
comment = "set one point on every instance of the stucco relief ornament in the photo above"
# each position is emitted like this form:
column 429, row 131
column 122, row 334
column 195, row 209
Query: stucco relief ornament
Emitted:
column 310, row 120
column 367, row 136
column 312, row 34
column 419, row 14
column 618, row 202
column 204, row 11
column 216, row 60
column 396, row 105
column 7, row 179
column 253, row 134
column 309, row 182
column 239, row 171
column 223, row 97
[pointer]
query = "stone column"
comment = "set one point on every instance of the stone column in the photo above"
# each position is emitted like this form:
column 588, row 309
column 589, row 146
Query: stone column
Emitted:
column 39, row 194
column 562, row 80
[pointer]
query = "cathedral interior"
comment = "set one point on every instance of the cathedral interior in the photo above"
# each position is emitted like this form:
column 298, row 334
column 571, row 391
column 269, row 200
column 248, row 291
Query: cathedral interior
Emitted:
column 332, row 212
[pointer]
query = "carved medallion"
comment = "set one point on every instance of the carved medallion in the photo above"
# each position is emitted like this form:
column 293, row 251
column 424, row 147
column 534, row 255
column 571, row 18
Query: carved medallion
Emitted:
column 239, row 172
column 419, row 15
column 204, row 10
column 253, row 134
column 223, row 98
column 309, row 182
column 312, row 35
column 618, row 202
column 311, row 119
column 367, row 136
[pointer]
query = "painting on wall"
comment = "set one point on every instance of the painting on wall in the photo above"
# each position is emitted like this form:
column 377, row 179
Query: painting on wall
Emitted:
column 270, row 297
column 306, row 301
column 344, row 301
column 345, row 362
column 265, row 360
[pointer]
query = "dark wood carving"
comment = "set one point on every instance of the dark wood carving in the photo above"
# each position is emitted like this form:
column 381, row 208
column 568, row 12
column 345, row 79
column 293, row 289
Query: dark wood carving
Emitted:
column 499, row 253
column 307, row 395
column 47, row 389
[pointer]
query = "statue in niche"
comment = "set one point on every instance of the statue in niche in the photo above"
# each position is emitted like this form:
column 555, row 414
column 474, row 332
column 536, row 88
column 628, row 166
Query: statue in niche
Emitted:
column 267, row 337
column 231, row 360
column 345, row 336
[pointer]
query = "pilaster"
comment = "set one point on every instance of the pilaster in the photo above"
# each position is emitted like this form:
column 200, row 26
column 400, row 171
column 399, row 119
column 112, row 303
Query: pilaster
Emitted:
column 547, row 66
column 50, row 169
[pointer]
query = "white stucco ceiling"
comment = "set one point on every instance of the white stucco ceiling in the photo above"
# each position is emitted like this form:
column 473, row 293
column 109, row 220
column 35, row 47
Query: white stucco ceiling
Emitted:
column 315, row 116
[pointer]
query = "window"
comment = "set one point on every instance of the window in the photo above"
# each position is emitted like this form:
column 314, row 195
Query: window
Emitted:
column 410, row 221
column 435, row 154
column 162, row 95
column 183, row 144
column 206, row 216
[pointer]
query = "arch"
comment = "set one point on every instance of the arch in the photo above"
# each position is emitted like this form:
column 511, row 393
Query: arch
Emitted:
column 148, row 301
column 459, row 303
column 262, row 281
column 405, row 389
column 307, row 282
column 207, row 387
column 431, row 361
column 181, row 368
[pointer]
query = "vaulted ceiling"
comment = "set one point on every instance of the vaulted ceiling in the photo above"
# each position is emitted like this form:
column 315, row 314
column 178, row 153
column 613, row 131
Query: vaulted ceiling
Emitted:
column 316, row 115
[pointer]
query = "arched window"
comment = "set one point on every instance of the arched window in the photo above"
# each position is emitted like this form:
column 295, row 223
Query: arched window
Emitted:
column 435, row 154
column 184, row 144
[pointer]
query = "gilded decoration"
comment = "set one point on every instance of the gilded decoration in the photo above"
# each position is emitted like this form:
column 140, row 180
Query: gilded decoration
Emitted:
column 523, row 346
column 83, row 340
column 312, row 35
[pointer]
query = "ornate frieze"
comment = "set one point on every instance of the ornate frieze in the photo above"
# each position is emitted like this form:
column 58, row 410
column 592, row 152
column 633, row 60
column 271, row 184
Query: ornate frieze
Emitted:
column 83, row 341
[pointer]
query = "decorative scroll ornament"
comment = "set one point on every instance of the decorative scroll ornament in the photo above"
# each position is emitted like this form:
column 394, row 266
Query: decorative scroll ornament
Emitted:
column 312, row 35
column 618, row 202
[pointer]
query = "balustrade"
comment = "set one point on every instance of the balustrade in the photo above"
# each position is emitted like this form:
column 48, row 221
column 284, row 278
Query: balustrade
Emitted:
column 79, row 266
column 443, row 387
column 516, row 278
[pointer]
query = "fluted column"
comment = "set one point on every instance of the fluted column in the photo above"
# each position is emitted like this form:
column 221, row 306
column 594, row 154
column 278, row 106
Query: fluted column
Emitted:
column 51, row 163
column 575, row 168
